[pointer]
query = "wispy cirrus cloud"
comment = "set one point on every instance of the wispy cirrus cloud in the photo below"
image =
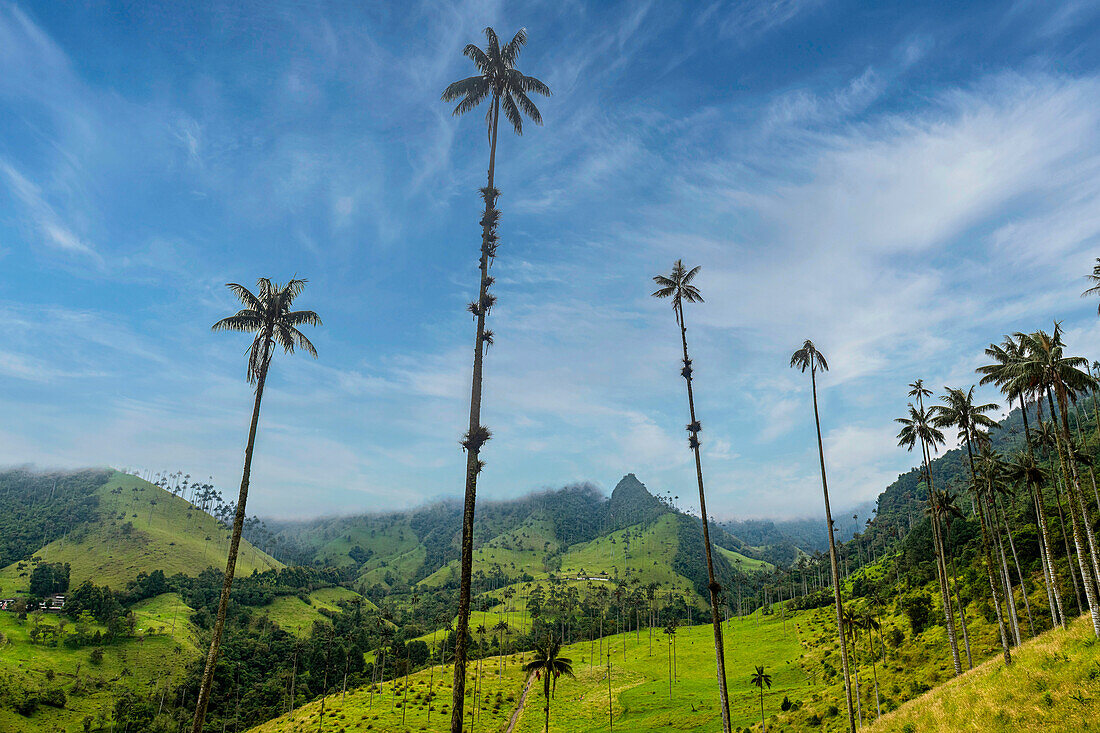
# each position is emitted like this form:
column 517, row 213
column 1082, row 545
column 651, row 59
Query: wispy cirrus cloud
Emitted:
column 881, row 185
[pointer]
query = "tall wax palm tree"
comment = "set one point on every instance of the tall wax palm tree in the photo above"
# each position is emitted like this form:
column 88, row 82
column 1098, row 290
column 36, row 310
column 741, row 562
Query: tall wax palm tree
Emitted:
column 918, row 429
column 959, row 411
column 678, row 286
column 808, row 357
column 548, row 666
column 268, row 314
column 1047, row 367
column 760, row 680
column 507, row 89
column 1004, row 372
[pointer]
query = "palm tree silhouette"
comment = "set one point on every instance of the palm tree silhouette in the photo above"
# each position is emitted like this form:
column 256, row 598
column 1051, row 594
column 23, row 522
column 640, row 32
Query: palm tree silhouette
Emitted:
column 760, row 680
column 548, row 666
column 808, row 357
column 678, row 286
column 267, row 314
column 499, row 80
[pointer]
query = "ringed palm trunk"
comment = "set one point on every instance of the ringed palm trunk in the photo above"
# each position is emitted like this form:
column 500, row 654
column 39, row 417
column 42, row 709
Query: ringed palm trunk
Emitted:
column 234, row 546
column 1003, row 511
column 874, row 672
column 1087, row 578
column 988, row 553
column 1059, row 502
column 1006, row 578
column 833, row 566
column 716, row 621
column 473, row 464
column 962, row 617
column 1054, row 595
column 940, row 551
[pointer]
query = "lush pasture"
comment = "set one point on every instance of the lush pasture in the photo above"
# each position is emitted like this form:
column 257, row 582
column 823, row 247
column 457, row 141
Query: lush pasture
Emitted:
column 151, row 660
column 134, row 535
column 294, row 615
column 424, row 704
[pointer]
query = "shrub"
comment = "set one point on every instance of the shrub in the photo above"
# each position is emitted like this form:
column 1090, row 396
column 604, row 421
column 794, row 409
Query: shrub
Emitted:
column 54, row 697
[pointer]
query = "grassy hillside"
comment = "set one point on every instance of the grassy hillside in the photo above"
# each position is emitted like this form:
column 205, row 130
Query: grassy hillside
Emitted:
column 744, row 563
column 640, row 551
column 1052, row 684
column 132, row 535
column 293, row 614
column 150, row 660
column 639, row 677
column 423, row 704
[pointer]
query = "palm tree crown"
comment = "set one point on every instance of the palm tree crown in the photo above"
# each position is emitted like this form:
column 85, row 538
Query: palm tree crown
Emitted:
column 1046, row 365
column 267, row 314
column 808, row 357
column 959, row 411
column 1002, row 371
column 760, row 679
column 918, row 427
column 677, row 285
column 498, row 77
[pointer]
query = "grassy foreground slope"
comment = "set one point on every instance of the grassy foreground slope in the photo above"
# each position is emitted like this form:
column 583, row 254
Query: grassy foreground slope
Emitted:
column 133, row 535
column 1052, row 684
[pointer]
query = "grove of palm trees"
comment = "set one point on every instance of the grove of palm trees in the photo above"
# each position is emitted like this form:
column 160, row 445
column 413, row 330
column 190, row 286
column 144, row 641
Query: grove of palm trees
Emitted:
column 921, row 556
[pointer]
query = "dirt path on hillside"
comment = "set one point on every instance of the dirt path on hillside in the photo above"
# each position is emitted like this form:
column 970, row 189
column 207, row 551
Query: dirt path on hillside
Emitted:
column 519, row 708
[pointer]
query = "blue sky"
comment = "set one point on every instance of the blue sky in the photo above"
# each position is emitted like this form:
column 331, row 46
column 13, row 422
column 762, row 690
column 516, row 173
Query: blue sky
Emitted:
column 902, row 183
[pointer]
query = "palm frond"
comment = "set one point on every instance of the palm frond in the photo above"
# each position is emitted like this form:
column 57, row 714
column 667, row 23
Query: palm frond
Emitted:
column 245, row 321
column 244, row 295
column 511, row 112
column 510, row 53
column 527, row 106
column 470, row 86
column 475, row 54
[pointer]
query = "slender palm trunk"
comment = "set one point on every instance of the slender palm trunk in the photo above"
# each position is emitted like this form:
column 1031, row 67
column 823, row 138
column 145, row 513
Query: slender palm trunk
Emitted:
column 234, row 546
column 1057, row 615
column 962, row 617
column 988, row 554
column 763, row 725
column 1054, row 596
column 1073, row 572
column 874, row 672
column 939, row 548
column 473, row 463
column 546, row 696
column 832, row 560
column 1006, row 578
column 1087, row 578
column 715, row 589
column 1016, row 561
